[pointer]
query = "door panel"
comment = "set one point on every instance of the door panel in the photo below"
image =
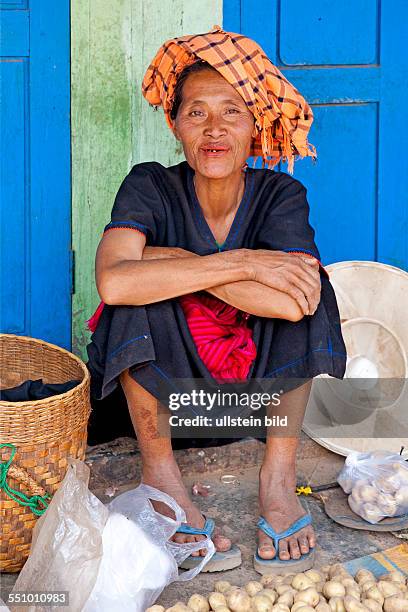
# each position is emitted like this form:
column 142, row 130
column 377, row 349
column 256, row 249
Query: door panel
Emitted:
column 35, row 240
column 349, row 60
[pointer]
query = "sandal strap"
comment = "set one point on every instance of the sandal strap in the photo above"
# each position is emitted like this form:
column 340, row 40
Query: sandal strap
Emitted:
column 207, row 530
column 263, row 524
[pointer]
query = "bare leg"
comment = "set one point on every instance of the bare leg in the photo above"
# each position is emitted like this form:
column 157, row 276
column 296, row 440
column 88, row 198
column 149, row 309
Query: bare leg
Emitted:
column 278, row 501
column 159, row 467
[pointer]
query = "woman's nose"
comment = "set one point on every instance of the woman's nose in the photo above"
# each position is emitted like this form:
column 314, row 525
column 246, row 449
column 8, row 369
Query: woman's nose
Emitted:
column 215, row 127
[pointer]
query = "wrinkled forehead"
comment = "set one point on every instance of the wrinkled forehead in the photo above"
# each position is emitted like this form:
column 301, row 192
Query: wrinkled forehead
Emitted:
column 209, row 86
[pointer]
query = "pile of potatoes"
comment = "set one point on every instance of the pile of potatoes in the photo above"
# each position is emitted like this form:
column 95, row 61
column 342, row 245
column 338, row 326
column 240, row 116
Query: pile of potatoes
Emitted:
column 329, row 589
column 379, row 497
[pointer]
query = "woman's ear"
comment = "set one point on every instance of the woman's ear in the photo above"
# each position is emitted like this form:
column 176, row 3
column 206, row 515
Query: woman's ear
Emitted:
column 174, row 130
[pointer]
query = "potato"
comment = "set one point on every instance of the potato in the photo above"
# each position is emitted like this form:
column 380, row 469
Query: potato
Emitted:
column 261, row 603
column 355, row 505
column 221, row 586
column 352, row 605
column 372, row 605
column 223, row 609
column 401, row 499
column 339, row 577
column 388, row 589
column 375, row 593
column 367, row 584
column 355, row 497
column 304, row 608
column 336, row 569
column 287, row 598
column 354, row 592
column 216, row 600
column 323, row 606
column 280, row 608
column 234, row 587
column 385, row 486
column 287, row 578
column 297, row 605
column 395, row 604
column 348, row 581
column 270, row 580
column 387, row 504
column 155, row 608
column 400, row 470
column 238, row 600
column 333, row 589
column 394, row 576
column 394, row 481
column 336, row 604
column 346, row 484
column 282, row 588
column 179, row 606
column 253, row 587
column 301, row 581
column 372, row 513
column 198, row 603
column 310, row 596
column 363, row 575
column 368, row 493
column 271, row 594
column 314, row 575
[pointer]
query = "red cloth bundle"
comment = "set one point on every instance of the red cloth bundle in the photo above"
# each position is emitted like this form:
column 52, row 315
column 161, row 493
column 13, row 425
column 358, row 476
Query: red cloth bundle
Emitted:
column 222, row 336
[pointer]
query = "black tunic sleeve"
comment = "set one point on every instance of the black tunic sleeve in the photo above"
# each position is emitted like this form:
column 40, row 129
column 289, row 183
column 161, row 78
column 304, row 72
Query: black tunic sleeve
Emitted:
column 286, row 225
column 138, row 204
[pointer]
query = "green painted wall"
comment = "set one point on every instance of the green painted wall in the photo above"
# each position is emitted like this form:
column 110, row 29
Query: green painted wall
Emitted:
column 113, row 127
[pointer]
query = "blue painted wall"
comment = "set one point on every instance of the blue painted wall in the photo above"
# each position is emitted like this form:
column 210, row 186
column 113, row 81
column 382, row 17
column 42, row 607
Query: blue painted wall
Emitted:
column 35, row 238
column 349, row 60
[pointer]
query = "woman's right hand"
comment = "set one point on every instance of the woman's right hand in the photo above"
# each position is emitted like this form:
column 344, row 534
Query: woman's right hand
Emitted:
column 292, row 273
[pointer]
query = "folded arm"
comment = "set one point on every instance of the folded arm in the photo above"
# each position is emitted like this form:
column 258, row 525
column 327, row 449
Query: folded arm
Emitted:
column 129, row 273
column 249, row 296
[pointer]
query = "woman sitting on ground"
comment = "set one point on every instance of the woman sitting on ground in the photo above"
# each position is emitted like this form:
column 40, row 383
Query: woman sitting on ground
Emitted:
column 215, row 274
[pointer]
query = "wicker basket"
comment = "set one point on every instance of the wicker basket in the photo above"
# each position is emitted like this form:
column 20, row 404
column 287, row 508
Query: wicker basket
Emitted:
column 46, row 432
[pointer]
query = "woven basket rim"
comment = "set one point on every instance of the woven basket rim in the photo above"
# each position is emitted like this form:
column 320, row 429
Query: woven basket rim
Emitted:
column 72, row 391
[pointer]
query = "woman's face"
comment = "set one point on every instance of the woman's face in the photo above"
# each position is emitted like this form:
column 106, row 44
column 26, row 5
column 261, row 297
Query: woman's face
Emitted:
column 214, row 125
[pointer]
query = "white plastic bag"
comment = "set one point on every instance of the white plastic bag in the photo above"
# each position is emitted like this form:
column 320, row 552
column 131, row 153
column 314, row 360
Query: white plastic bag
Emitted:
column 377, row 483
column 109, row 559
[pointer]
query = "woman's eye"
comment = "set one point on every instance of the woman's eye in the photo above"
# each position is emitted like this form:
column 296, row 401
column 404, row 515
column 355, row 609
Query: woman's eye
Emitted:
column 232, row 111
column 196, row 113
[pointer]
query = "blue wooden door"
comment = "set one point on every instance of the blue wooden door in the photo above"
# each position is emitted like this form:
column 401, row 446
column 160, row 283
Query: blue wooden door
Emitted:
column 35, row 228
column 349, row 60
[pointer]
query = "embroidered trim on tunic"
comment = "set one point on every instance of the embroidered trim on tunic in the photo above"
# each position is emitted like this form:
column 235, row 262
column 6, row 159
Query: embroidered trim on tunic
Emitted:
column 126, row 225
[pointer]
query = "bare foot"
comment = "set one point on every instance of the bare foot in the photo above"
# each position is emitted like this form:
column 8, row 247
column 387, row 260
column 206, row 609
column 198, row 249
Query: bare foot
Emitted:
column 280, row 506
column 167, row 478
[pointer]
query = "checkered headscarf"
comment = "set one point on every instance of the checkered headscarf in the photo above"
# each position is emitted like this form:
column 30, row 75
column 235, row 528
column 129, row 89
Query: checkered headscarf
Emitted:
column 282, row 116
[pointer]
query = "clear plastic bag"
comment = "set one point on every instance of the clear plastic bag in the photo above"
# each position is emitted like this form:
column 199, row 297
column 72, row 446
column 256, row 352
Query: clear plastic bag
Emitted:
column 109, row 558
column 377, row 484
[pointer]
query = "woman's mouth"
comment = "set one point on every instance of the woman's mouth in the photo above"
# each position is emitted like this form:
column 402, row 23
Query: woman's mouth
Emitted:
column 214, row 150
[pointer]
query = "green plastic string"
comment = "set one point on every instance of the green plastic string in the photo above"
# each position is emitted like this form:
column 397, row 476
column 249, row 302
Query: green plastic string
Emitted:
column 36, row 503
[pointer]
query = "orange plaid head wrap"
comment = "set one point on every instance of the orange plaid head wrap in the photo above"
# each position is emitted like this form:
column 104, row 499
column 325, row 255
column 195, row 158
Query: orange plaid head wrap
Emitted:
column 282, row 116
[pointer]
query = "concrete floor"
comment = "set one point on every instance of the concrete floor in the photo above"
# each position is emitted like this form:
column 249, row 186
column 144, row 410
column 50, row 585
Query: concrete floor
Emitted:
column 115, row 467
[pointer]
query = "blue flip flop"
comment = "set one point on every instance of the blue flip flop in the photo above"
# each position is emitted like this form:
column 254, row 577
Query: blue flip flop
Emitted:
column 220, row 561
column 276, row 565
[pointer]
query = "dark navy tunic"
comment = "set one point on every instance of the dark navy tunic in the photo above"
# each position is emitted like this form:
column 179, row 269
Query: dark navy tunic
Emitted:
column 154, row 341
